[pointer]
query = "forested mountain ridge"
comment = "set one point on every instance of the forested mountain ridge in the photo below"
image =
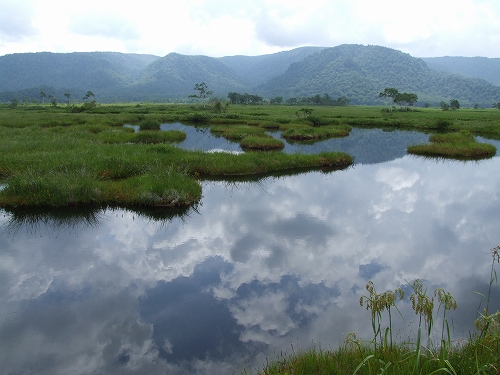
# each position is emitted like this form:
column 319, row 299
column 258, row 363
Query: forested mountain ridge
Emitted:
column 361, row 72
column 256, row 70
column 357, row 72
column 79, row 70
column 176, row 73
column 477, row 67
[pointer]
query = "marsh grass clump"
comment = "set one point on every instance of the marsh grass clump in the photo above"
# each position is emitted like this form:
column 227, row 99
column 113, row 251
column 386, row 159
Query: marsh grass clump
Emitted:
column 149, row 124
column 165, row 187
column 54, row 189
column 237, row 133
column 197, row 117
column 113, row 168
column 442, row 124
column 308, row 133
column 457, row 145
column 149, row 137
column 261, row 143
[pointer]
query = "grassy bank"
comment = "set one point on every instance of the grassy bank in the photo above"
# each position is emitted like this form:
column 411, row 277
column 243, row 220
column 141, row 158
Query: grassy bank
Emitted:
column 50, row 156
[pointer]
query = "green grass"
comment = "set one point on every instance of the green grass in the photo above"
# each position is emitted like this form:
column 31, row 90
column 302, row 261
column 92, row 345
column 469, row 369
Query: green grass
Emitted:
column 457, row 145
column 308, row 133
column 261, row 143
column 50, row 156
column 474, row 356
column 149, row 124
column 55, row 159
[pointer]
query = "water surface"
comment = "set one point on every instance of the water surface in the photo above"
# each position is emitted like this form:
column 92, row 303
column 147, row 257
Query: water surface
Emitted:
column 254, row 269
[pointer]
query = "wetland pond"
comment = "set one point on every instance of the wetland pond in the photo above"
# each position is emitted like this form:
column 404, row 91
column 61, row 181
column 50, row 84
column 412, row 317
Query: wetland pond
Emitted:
column 258, row 267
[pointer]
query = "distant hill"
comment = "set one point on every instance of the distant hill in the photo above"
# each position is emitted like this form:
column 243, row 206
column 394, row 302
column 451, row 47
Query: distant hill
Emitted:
column 356, row 71
column 176, row 75
column 362, row 72
column 477, row 67
column 79, row 70
column 256, row 70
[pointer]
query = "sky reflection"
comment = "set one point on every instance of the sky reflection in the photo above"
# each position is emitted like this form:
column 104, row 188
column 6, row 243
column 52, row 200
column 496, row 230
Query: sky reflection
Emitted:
column 257, row 267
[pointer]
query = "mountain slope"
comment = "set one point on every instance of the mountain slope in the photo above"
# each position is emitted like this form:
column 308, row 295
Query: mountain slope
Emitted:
column 176, row 75
column 256, row 70
column 356, row 71
column 477, row 67
column 362, row 72
column 80, row 70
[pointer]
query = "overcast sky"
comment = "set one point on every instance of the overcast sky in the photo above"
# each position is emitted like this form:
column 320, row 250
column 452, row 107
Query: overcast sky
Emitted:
column 424, row 28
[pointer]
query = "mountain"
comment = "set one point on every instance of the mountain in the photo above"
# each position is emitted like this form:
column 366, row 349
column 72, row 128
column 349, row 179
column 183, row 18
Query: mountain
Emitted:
column 258, row 69
column 355, row 71
column 362, row 72
column 176, row 75
column 478, row 67
column 79, row 70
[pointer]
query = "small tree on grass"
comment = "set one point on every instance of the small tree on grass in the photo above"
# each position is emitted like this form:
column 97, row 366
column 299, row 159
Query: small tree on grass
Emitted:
column 14, row 103
column 203, row 91
column 89, row 95
column 43, row 95
column 454, row 104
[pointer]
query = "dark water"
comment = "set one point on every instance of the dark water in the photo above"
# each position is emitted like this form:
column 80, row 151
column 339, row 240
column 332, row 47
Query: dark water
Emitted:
column 254, row 269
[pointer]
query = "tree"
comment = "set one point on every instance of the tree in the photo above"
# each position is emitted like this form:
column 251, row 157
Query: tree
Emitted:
column 405, row 98
column 496, row 105
column 43, row 95
column 67, row 95
column 389, row 92
column 276, row 100
column 203, row 91
column 444, row 106
column 88, row 95
column 14, row 103
column 454, row 104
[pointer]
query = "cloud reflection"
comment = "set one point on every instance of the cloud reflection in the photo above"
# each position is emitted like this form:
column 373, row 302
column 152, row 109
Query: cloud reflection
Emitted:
column 257, row 267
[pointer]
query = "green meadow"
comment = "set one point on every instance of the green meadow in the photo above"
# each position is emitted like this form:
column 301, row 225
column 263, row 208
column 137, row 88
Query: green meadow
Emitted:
column 56, row 156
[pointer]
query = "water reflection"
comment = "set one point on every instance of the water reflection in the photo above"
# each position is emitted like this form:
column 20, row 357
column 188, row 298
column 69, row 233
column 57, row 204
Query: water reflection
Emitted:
column 365, row 145
column 259, row 266
column 54, row 220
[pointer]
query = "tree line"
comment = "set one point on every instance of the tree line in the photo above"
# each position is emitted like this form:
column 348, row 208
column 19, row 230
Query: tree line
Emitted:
column 326, row 100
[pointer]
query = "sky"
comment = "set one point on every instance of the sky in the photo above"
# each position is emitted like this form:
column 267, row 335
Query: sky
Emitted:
column 427, row 28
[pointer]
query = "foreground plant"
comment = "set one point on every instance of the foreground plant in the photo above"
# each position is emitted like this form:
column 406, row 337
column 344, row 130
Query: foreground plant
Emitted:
column 480, row 355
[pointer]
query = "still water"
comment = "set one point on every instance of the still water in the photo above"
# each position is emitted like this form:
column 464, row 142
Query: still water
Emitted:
column 256, row 268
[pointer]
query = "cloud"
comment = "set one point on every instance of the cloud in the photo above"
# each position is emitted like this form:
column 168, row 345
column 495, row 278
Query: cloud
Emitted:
column 104, row 25
column 16, row 21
